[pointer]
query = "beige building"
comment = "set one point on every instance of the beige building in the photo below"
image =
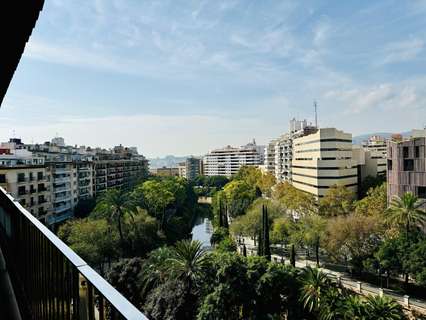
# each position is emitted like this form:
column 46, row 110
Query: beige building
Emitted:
column 182, row 169
column 323, row 159
column 165, row 172
column 377, row 147
column 29, row 184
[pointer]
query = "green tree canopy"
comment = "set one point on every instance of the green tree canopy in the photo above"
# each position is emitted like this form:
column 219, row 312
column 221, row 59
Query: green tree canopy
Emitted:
column 94, row 240
column 338, row 201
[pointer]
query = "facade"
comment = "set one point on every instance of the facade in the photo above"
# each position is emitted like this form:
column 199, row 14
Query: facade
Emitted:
column 182, row 169
column 193, row 168
column 64, row 190
column 117, row 173
column 279, row 152
column 25, row 177
column 166, row 172
column 323, row 159
column 50, row 179
column 407, row 166
column 377, row 147
column 227, row 161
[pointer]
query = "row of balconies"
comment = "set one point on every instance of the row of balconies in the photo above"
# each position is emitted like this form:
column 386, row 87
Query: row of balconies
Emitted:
column 29, row 179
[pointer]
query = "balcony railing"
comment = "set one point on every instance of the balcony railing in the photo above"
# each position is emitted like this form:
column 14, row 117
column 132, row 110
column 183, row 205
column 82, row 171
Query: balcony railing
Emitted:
column 50, row 280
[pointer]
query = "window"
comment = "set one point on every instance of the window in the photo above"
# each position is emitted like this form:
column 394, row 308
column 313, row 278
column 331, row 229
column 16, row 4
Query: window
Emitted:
column 39, row 175
column 389, row 164
column 405, row 152
column 417, row 152
column 408, row 165
column 21, row 177
column 2, row 178
column 421, row 192
column 31, row 176
column 21, row 190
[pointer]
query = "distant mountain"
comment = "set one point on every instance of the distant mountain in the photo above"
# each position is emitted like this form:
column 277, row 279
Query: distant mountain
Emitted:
column 359, row 139
column 167, row 161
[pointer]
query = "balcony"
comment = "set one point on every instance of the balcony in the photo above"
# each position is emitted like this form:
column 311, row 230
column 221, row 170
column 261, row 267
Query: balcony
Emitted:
column 47, row 279
column 62, row 208
column 62, row 179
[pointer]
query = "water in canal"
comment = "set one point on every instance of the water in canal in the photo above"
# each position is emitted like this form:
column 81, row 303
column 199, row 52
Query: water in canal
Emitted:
column 202, row 230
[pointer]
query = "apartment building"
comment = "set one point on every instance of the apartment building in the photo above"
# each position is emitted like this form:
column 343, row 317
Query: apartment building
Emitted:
column 70, row 173
column 279, row 152
column 191, row 168
column 117, row 173
column 323, row 159
column 406, row 162
column 227, row 161
column 377, row 147
column 181, row 169
column 25, row 177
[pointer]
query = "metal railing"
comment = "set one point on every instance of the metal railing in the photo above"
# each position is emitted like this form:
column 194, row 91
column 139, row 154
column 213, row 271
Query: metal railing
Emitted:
column 49, row 279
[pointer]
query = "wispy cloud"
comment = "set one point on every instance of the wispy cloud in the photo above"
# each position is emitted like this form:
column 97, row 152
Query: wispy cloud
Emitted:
column 402, row 51
column 384, row 97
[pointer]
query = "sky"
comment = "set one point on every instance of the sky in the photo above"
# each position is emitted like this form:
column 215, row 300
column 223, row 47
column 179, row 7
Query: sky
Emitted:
column 183, row 77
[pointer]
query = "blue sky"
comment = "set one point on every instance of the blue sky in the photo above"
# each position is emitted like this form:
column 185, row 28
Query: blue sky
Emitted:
column 183, row 77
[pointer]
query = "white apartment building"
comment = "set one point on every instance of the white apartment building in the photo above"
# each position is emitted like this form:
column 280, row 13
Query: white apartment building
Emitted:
column 323, row 159
column 227, row 161
column 279, row 152
column 64, row 188
column 377, row 146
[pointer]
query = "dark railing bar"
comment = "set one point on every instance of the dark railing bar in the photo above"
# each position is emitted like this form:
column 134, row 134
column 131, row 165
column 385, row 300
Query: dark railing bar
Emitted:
column 50, row 293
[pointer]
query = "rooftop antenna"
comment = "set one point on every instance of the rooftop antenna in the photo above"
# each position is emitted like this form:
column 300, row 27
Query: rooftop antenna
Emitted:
column 316, row 113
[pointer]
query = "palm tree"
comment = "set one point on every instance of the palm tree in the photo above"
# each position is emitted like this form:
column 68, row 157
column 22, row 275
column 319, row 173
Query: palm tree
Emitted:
column 383, row 308
column 406, row 211
column 115, row 203
column 155, row 270
column 187, row 262
column 315, row 285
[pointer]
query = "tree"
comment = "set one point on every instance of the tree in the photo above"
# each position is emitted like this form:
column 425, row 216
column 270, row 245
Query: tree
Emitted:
column 293, row 256
column 169, row 301
column 369, row 183
column 405, row 211
column 266, row 249
column 391, row 256
column 124, row 276
column 293, row 199
column 383, row 308
column 353, row 239
column 315, row 285
column 84, row 207
column 93, row 240
column 281, row 230
column 338, row 201
column 142, row 233
column 239, row 196
column 228, row 291
column 310, row 231
column 187, row 263
column 157, row 197
column 416, row 262
column 374, row 203
column 114, row 204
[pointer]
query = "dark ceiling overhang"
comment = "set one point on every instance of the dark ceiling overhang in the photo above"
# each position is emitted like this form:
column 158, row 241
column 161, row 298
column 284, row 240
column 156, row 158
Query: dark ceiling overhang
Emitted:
column 17, row 20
